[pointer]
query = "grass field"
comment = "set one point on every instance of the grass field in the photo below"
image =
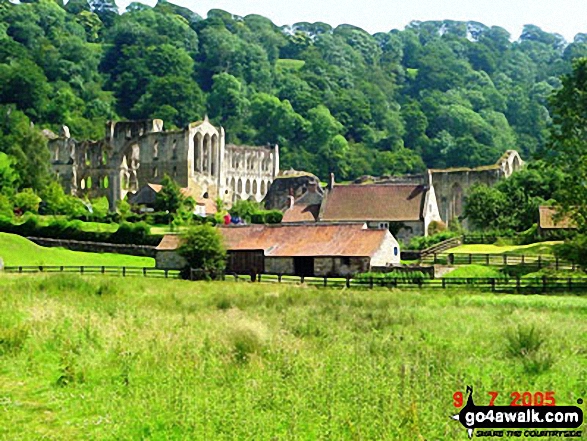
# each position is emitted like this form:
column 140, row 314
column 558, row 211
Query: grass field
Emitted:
column 532, row 249
column 95, row 358
column 18, row 251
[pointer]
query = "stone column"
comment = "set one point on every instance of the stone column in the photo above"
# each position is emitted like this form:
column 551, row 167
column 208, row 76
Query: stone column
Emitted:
column 210, row 153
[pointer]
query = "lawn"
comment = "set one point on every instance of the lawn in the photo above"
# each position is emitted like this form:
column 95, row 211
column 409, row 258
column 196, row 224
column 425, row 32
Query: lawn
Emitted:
column 94, row 358
column 18, row 251
column 532, row 249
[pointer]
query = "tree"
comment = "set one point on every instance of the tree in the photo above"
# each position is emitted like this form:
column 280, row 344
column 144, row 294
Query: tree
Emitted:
column 485, row 207
column 568, row 142
column 202, row 247
column 170, row 198
column 8, row 176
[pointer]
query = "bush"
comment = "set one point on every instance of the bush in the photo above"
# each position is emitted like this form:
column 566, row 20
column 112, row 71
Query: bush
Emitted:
column 131, row 233
column 202, row 247
column 27, row 201
column 436, row 227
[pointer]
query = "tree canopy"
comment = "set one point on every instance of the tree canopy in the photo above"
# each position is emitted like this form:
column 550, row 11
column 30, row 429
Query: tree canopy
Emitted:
column 436, row 94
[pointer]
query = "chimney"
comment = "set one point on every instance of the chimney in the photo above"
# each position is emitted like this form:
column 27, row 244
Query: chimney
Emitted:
column 331, row 183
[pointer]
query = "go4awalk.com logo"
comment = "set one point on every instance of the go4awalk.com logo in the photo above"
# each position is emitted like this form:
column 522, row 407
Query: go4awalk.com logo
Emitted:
column 533, row 415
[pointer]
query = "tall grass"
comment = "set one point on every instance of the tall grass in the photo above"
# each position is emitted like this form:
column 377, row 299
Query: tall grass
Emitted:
column 121, row 359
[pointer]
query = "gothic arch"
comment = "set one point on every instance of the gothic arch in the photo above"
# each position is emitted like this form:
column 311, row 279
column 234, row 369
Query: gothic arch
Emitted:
column 197, row 152
column 248, row 186
column 255, row 186
column 240, row 185
column 263, row 188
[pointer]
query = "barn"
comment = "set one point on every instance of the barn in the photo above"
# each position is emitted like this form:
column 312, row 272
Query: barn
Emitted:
column 298, row 249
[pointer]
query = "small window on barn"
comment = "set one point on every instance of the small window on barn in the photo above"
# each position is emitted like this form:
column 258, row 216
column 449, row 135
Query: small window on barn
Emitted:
column 395, row 251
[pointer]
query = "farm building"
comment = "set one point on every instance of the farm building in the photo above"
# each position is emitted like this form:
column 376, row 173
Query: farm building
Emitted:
column 549, row 221
column 146, row 195
column 297, row 249
column 405, row 209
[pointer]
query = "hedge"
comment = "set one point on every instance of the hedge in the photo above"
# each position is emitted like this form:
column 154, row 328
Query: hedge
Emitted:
column 127, row 233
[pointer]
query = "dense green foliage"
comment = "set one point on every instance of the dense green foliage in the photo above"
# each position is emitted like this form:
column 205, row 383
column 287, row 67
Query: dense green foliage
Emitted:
column 203, row 248
column 125, row 233
column 437, row 94
column 568, row 143
column 512, row 204
column 89, row 358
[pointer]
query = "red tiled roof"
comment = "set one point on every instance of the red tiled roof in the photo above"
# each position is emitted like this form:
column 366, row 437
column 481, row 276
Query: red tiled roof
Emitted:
column 392, row 202
column 301, row 213
column 548, row 216
column 310, row 240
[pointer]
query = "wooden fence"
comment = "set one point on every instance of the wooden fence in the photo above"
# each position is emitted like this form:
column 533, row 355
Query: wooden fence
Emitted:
column 520, row 285
column 501, row 260
column 123, row 271
column 542, row 285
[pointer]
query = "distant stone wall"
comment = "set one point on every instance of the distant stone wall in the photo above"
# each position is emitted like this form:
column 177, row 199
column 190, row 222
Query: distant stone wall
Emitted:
column 96, row 247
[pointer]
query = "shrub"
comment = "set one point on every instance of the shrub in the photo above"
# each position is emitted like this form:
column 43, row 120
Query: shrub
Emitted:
column 202, row 247
column 436, row 227
column 131, row 233
column 526, row 343
column 27, row 201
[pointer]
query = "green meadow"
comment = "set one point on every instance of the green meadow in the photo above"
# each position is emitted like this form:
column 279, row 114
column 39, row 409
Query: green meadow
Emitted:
column 19, row 251
column 95, row 358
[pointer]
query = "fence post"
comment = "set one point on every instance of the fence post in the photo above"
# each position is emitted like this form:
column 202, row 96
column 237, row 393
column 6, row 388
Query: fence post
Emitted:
column 20, row 269
column 505, row 260
column 348, row 281
column 81, row 269
column 543, row 284
column 166, row 273
column 518, row 284
column 371, row 282
column 124, row 271
column 523, row 259
column 443, row 283
column 470, row 258
column 61, row 268
column 487, row 259
column 103, row 269
column 556, row 263
column 259, row 278
column 570, row 282
column 325, row 281
column 145, row 271
column 279, row 278
column 435, row 259
column 302, row 279
column 40, row 268
column 539, row 262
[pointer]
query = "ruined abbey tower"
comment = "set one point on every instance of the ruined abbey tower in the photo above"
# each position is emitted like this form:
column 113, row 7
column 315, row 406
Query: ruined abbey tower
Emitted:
column 136, row 153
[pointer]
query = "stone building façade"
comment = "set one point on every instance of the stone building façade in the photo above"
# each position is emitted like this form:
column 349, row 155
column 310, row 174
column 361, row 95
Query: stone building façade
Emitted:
column 136, row 153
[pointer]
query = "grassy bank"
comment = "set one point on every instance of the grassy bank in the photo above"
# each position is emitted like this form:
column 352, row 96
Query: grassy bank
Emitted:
column 532, row 249
column 97, row 358
column 18, row 251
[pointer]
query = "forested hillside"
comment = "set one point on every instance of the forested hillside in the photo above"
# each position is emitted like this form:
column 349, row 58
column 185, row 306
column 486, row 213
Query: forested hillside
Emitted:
column 436, row 94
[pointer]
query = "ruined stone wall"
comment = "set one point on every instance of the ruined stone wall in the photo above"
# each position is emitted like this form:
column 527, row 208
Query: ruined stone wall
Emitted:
column 95, row 247
column 135, row 153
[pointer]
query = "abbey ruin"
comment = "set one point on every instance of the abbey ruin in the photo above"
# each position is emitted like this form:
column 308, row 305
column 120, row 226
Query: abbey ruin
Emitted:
column 136, row 153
